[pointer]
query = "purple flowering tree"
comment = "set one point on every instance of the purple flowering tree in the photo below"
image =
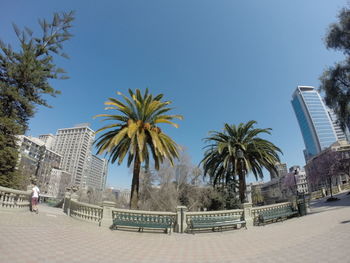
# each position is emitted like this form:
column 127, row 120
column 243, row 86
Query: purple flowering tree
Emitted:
column 326, row 167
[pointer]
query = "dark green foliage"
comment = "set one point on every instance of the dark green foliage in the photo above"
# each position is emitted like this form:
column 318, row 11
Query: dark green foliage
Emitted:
column 224, row 165
column 24, row 79
column 335, row 81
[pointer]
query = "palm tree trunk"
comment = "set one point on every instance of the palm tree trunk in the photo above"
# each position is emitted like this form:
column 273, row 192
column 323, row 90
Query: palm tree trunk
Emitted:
column 134, row 198
column 241, row 187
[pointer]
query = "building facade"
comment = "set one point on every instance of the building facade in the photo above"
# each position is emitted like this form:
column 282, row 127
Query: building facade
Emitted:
column 74, row 144
column 37, row 161
column 98, row 173
column 59, row 180
column 281, row 170
column 48, row 139
column 330, row 167
column 300, row 179
column 318, row 125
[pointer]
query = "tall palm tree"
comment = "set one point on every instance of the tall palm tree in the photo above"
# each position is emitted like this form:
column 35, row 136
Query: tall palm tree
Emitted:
column 135, row 132
column 238, row 150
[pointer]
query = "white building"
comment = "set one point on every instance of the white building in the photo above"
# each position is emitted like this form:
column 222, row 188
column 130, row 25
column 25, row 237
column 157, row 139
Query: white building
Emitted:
column 300, row 179
column 74, row 144
column 98, row 173
column 59, row 180
column 36, row 160
column 48, row 139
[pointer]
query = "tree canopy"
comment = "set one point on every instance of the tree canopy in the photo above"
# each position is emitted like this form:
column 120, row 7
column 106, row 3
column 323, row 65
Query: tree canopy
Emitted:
column 24, row 80
column 335, row 81
column 238, row 150
column 135, row 132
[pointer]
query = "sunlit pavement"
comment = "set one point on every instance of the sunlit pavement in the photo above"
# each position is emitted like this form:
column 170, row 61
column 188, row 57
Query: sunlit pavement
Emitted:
column 51, row 236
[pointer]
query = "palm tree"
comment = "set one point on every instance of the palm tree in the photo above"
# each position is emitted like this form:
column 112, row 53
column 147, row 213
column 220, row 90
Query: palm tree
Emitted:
column 238, row 150
column 137, row 134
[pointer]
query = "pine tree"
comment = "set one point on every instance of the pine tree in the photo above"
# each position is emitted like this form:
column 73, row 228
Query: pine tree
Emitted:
column 24, row 79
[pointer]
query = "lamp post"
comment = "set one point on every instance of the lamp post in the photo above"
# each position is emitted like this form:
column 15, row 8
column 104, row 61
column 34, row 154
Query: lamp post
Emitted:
column 295, row 182
column 240, row 156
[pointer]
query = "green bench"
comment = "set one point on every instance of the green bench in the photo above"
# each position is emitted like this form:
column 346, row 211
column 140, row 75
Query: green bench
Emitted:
column 215, row 222
column 143, row 221
column 276, row 214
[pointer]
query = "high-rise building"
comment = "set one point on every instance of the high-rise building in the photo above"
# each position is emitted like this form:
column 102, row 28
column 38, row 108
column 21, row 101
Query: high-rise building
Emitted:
column 281, row 170
column 98, row 173
column 319, row 130
column 341, row 136
column 74, row 144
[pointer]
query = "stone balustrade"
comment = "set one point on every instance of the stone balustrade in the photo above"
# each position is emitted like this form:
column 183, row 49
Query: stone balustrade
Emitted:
column 11, row 198
column 127, row 212
column 256, row 210
column 88, row 212
column 345, row 186
column 106, row 213
column 203, row 214
column 317, row 194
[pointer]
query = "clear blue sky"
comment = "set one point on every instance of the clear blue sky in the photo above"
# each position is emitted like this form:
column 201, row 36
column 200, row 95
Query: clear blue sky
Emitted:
column 218, row 61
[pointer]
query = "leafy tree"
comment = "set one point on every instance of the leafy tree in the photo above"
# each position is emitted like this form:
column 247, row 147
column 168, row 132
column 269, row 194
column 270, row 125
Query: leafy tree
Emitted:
column 257, row 196
column 24, row 79
column 326, row 168
column 135, row 132
column 222, row 160
column 335, row 81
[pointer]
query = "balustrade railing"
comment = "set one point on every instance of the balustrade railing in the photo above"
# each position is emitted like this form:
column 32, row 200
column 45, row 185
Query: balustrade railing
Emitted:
column 234, row 212
column 85, row 211
column 345, row 186
column 316, row 195
column 11, row 198
column 257, row 210
column 205, row 214
column 127, row 212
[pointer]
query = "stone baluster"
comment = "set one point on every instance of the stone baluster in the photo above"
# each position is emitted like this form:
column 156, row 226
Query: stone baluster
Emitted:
column 1, row 198
column 11, row 200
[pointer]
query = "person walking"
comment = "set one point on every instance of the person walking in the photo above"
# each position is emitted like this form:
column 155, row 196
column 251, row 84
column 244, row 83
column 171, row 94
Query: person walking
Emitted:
column 35, row 197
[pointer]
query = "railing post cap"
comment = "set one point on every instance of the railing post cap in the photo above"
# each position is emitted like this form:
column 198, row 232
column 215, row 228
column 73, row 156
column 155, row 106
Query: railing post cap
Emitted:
column 179, row 207
column 108, row 203
column 74, row 196
column 246, row 205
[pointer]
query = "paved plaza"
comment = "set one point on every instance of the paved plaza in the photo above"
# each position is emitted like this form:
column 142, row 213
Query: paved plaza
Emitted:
column 51, row 236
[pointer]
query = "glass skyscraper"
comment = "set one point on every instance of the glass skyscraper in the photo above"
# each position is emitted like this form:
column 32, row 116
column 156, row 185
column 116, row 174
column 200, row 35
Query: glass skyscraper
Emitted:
column 317, row 123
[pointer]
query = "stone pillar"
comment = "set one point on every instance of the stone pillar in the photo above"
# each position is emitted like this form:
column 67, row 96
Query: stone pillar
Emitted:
column 181, row 224
column 247, row 212
column 107, row 219
column 29, row 191
column 66, row 203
